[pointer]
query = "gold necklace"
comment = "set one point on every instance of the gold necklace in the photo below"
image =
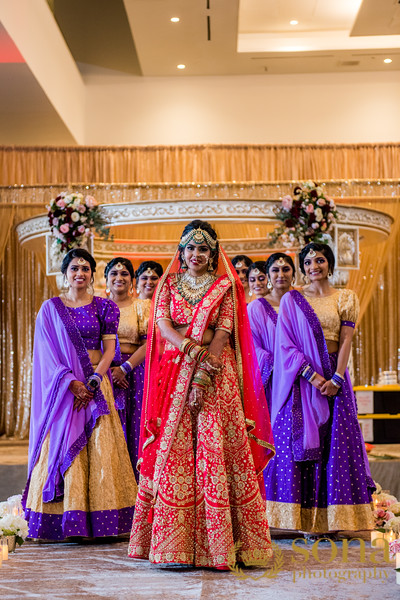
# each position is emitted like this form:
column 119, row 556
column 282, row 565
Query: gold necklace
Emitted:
column 192, row 289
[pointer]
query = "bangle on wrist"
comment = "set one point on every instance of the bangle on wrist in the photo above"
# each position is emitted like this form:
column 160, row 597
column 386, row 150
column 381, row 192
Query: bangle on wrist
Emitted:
column 94, row 381
column 126, row 367
column 308, row 373
column 337, row 380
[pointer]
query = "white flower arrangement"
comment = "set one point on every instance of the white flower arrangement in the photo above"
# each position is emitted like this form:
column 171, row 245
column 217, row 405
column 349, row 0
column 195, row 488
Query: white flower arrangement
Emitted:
column 393, row 525
column 14, row 525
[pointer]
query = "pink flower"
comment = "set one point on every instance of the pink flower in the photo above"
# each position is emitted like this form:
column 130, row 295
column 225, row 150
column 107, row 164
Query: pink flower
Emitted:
column 315, row 225
column 383, row 515
column 81, row 208
column 287, row 202
column 55, row 221
column 321, row 202
column 309, row 209
column 60, row 203
column 64, row 228
column 394, row 547
column 90, row 201
column 81, row 229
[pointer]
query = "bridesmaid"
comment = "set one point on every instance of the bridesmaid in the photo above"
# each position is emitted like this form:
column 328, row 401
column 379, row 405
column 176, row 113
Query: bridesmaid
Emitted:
column 319, row 481
column 257, row 278
column 263, row 314
column 81, row 482
column 128, row 368
column 241, row 264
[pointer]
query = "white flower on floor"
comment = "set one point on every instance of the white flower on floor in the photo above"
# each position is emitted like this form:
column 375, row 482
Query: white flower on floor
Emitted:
column 395, row 508
column 13, row 525
column 393, row 525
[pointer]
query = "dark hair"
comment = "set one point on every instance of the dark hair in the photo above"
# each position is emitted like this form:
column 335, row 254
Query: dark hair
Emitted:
column 258, row 264
column 120, row 259
column 198, row 224
column 323, row 248
column 78, row 253
column 276, row 256
column 149, row 264
column 241, row 258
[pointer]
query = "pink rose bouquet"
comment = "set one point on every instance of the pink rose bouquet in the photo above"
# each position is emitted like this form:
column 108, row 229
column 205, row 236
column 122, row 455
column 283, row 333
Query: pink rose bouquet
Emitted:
column 72, row 217
column 307, row 216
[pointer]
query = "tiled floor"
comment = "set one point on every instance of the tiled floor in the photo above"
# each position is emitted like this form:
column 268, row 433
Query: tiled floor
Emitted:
column 104, row 571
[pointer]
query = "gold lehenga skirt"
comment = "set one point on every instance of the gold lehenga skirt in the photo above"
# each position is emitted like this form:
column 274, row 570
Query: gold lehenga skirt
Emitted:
column 99, row 487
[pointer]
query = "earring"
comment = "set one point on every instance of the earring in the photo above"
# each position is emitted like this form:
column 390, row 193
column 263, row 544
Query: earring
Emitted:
column 250, row 293
column 330, row 275
column 183, row 265
column 210, row 264
column 131, row 290
column 306, row 279
column 269, row 284
column 293, row 280
column 66, row 284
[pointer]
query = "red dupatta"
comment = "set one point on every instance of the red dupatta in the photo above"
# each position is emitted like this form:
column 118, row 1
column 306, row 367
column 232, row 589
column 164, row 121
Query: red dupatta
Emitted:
column 168, row 376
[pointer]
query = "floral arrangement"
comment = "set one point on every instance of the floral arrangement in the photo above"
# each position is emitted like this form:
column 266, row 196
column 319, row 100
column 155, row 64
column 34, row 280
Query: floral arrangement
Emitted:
column 11, row 520
column 72, row 217
column 306, row 217
column 394, row 548
column 14, row 525
column 386, row 511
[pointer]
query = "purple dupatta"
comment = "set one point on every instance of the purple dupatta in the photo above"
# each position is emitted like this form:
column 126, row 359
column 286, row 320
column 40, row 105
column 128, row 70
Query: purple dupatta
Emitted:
column 59, row 357
column 263, row 319
column 299, row 341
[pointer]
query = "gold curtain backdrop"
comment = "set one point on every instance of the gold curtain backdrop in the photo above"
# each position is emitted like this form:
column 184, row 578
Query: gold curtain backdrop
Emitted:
column 210, row 163
column 272, row 171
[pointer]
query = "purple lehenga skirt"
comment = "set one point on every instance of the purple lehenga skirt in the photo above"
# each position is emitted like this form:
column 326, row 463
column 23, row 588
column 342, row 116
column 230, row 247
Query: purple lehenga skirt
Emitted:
column 329, row 494
column 130, row 401
column 99, row 486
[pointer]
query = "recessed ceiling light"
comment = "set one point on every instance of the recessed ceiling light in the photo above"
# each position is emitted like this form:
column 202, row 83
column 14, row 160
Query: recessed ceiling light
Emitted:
column 181, row 66
column 387, row 60
column 175, row 19
column 294, row 22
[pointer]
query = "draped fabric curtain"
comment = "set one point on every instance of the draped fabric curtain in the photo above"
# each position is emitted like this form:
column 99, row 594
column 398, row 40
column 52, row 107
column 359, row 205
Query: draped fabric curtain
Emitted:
column 24, row 285
column 197, row 163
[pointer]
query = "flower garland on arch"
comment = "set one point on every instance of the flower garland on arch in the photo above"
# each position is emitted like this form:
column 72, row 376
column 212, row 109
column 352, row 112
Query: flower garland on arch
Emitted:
column 72, row 216
column 307, row 216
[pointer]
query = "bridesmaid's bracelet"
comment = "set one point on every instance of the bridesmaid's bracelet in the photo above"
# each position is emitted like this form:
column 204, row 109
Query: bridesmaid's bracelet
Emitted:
column 309, row 374
column 337, row 380
column 94, row 381
column 126, row 367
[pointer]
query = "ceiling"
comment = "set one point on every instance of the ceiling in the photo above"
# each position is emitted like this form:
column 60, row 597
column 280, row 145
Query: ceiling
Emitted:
column 136, row 38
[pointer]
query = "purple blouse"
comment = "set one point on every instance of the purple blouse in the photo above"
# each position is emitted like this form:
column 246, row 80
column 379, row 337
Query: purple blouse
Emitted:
column 100, row 317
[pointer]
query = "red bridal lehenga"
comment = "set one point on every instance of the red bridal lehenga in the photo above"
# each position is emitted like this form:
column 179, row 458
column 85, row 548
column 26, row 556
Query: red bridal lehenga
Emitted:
column 199, row 499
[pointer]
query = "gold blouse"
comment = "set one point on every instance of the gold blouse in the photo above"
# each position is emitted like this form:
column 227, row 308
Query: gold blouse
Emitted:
column 133, row 322
column 331, row 310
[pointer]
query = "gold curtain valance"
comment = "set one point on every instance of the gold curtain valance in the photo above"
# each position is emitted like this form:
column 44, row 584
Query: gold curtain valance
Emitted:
column 203, row 163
